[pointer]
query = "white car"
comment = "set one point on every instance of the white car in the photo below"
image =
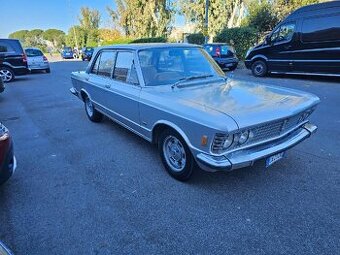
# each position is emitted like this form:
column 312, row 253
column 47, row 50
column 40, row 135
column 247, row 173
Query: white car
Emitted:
column 36, row 60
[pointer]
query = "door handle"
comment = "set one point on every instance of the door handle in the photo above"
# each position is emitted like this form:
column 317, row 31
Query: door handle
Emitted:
column 87, row 78
column 287, row 47
column 107, row 86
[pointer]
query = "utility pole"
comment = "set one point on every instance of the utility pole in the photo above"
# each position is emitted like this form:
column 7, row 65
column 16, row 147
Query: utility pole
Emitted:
column 206, row 21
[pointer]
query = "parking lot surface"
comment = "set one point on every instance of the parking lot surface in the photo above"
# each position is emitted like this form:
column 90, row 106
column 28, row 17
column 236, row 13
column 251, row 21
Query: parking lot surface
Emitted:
column 87, row 188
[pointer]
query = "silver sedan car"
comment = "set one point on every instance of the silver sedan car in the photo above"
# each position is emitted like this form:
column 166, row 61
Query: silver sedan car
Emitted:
column 177, row 97
column 36, row 60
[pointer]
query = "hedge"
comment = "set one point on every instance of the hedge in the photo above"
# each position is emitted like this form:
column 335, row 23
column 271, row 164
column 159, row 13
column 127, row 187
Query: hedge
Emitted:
column 243, row 38
column 150, row 40
column 196, row 38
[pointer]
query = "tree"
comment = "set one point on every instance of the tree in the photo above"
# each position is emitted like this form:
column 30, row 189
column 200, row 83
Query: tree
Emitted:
column 76, row 37
column 152, row 19
column 284, row 7
column 262, row 16
column 89, row 24
column 222, row 14
column 55, row 36
column 20, row 35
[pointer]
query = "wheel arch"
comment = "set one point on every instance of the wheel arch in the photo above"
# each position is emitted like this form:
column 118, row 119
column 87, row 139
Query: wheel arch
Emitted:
column 84, row 94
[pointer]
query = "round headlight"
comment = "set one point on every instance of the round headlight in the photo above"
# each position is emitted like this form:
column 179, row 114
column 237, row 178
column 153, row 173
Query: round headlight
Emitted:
column 243, row 137
column 228, row 141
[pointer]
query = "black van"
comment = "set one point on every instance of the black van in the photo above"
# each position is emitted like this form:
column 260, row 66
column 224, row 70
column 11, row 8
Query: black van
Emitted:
column 306, row 42
column 13, row 60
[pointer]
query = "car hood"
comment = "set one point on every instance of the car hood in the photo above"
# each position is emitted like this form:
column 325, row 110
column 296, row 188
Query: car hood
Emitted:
column 248, row 103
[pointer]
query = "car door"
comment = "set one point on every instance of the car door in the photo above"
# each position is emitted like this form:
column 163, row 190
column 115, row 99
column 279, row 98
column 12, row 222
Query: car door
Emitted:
column 283, row 44
column 98, row 80
column 124, row 91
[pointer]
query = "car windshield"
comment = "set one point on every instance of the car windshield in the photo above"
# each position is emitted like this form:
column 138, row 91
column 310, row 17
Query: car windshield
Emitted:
column 167, row 66
column 88, row 49
column 68, row 49
column 33, row 53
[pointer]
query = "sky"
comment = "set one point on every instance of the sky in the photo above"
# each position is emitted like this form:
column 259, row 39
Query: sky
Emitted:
column 44, row 14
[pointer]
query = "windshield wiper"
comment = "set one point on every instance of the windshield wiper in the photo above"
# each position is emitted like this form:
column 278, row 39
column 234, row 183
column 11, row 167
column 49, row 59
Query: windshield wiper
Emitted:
column 189, row 78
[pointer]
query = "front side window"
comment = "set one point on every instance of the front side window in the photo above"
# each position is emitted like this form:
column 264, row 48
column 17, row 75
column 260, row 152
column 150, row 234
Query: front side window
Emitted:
column 165, row 66
column 283, row 33
column 94, row 69
column 125, row 70
column 106, row 63
column 5, row 47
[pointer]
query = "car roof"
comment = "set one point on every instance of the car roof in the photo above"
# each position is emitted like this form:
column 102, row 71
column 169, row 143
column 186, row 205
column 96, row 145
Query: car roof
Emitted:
column 314, row 7
column 139, row 46
column 216, row 44
column 32, row 48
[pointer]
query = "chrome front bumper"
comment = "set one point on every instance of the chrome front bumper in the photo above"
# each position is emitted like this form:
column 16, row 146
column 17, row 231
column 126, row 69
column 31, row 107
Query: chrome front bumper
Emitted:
column 247, row 157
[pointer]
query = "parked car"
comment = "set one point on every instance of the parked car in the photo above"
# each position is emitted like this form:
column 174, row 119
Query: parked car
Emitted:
column 7, row 159
column 2, row 85
column 223, row 54
column 306, row 42
column 177, row 97
column 13, row 60
column 86, row 53
column 37, row 60
column 67, row 53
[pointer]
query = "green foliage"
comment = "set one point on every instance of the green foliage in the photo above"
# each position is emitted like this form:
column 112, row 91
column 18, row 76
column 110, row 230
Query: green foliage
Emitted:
column 261, row 16
column 197, row 38
column 55, row 36
column 119, row 40
column 143, row 18
column 150, row 40
column 283, row 8
column 76, row 37
column 242, row 38
column 20, row 35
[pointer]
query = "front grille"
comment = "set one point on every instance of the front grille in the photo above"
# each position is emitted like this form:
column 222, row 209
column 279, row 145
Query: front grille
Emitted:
column 275, row 128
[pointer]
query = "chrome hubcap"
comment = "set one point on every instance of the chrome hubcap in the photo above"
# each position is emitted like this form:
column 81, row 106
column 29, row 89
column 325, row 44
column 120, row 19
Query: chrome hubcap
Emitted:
column 89, row 107
column 6, row 75
column 174, row 153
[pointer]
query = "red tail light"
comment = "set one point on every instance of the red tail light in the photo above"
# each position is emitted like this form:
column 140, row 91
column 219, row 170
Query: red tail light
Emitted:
column 45, row 58
column 4, row 145
column 24, row 58
column 218, row 52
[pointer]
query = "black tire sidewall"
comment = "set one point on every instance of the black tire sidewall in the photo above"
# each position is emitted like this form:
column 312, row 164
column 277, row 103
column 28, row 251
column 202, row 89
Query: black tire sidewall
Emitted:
column 96, row 116
column 186, row 173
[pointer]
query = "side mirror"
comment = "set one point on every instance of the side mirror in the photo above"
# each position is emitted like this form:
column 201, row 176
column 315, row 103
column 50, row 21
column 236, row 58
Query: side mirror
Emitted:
column 268, row 40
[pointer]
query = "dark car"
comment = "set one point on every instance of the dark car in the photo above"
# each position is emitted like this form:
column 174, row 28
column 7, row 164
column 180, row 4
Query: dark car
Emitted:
column 13, row 60
column 86, row 53
column 306, row 42
column 2, row 85
column 7, row 158
column 67, row 53
column 223, row 54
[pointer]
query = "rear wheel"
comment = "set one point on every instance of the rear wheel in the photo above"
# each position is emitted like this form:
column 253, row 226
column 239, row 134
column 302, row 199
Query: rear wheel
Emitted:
column 176, row 156
column 7, row 74
column 259, row 68
column 91, row 112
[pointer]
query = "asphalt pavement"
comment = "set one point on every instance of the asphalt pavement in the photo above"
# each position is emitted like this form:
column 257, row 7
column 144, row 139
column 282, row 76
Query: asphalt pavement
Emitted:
column 87, row 188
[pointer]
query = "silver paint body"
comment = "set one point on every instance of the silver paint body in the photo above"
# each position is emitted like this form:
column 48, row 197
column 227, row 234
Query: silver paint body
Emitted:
column 203, row 107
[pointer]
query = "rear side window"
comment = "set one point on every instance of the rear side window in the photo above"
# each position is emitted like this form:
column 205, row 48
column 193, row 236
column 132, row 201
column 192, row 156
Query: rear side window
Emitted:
column 106, row 64
column 6, row 47
column 125, row 70
column 321, row 29
column 33, row 53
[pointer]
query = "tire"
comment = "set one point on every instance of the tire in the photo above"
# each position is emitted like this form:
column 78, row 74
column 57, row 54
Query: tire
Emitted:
column 91, row 112
column 259, row 68
column 173, row 151
column 48, row 70
column 7, row 74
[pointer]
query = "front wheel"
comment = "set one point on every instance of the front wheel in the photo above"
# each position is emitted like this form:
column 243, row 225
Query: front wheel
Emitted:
column 91, row 112
column 259, row 68
column 7, row 74
column 176, row 156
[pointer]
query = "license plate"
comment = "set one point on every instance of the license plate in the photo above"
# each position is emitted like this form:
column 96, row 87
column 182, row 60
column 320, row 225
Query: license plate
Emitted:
column 272, row 159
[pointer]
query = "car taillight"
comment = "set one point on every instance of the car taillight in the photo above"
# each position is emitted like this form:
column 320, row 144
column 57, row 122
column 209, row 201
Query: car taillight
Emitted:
column 218, row 52
column 24, row 58
column 4, row 144
column 45, row 58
